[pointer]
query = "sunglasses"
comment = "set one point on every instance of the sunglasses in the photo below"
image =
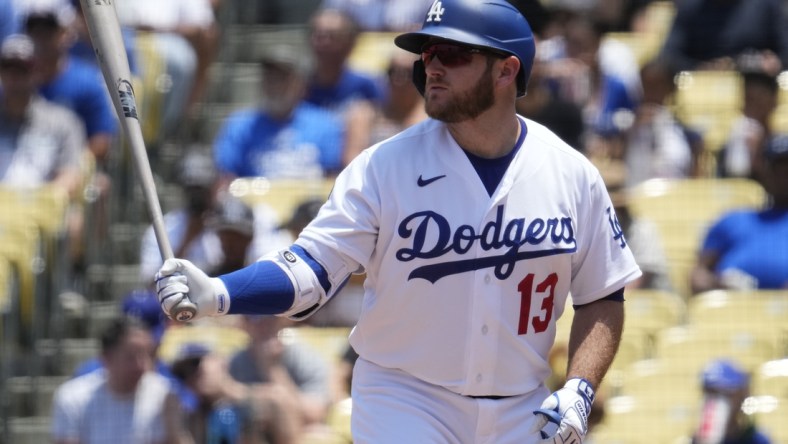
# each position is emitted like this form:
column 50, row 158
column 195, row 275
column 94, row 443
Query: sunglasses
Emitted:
column 450, row 56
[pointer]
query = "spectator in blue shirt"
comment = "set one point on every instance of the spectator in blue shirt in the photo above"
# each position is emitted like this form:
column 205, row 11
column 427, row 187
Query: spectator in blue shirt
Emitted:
column 73, row 83
column 749, row 248
column 284, row 136
column 8, row 19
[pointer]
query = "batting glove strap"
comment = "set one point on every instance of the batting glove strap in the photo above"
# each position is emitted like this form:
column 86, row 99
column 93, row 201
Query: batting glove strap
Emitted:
column 178, row 279
column 568, row 408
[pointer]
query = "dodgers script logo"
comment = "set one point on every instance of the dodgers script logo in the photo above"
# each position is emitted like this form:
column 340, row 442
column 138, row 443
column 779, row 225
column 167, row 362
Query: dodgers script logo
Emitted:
column 494, row 236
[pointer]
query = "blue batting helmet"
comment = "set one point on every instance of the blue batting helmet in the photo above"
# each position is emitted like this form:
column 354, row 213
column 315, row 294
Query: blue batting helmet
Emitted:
column 494, row 25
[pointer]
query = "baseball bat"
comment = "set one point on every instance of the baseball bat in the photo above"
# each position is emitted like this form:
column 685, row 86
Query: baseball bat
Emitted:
column 104, row 30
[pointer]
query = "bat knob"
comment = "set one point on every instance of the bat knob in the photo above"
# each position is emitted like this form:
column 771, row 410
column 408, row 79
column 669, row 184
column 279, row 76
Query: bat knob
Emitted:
column 184, row 311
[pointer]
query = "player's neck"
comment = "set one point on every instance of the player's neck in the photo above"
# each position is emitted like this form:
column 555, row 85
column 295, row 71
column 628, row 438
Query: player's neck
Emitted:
column 488, row 136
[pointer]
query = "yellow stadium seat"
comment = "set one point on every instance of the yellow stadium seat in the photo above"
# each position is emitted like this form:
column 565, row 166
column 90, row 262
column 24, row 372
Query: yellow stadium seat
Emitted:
column 683, row 209
column 691, row 348
column 771, row 379
column 661, row 381
column 281, row 195
column 223, row 340
column 635, row 420
column 770, row 415
column 709, row 101
column 372, row 51
column 764, row 312
column 652, row 310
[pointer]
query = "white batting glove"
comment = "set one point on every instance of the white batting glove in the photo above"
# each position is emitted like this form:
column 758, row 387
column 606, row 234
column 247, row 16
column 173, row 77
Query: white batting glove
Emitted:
column 568, row 408
column 178, row 279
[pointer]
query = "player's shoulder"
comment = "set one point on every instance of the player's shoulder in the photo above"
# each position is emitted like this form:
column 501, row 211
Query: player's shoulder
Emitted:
column 416, row 138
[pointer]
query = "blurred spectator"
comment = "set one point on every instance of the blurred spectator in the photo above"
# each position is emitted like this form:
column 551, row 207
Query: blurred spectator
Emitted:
column 382, row 15
column 579, row 77
column 544, row 106
column 9, row 22
column 143, row 306
column 734, row 252
column 287, row 369
column 230, row 411
column 184, row 35
column 186, row 226
column 658, row 144
column 563, row 38
column 729, row 34
column 402, row 107
column 334, row 85
column 125, row 402
column 82, row 47
column 752, row 127
column 40, row 142
column 234, row 224
column 63, row 79
column 725, row 387
column 284, row 137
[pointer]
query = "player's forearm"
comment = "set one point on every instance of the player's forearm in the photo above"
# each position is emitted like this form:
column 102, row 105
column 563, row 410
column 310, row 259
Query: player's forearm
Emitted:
column 287, row 281
column 594, row 339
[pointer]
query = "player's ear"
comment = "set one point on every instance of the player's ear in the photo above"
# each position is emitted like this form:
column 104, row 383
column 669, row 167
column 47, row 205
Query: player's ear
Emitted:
column 507, row 71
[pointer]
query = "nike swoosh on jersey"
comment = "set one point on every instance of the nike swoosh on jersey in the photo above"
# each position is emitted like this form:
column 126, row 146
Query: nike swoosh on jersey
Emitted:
column 424, row 182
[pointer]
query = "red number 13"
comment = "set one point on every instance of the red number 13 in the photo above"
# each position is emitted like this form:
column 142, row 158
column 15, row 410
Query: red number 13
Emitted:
column 526, row 289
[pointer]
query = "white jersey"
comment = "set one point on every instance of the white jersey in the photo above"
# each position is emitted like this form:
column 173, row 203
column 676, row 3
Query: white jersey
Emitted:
column 463, row 289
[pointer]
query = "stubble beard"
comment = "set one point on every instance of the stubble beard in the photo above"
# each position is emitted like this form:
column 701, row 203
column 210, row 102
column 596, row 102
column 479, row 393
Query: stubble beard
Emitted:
column 465, row 106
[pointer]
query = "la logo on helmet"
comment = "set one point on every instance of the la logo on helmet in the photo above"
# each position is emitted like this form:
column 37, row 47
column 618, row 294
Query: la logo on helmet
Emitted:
column 436, row 11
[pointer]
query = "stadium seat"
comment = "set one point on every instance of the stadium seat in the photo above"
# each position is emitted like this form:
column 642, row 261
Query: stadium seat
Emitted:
column 652, row 310
column 771, row 379
column 764, row 312
column 770, row 415
column 222, row 340
column 636, row 420
column 683, row 209
column 372, row 51
column 281, row 195
column 709, row 101
column 691, row 348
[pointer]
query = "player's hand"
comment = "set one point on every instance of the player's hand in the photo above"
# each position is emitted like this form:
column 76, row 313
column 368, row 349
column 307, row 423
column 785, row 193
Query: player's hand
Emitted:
column 568, row 408
column 178, row 279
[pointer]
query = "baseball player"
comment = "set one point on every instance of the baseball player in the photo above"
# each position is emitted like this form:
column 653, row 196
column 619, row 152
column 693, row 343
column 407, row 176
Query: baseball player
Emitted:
column 473, row 228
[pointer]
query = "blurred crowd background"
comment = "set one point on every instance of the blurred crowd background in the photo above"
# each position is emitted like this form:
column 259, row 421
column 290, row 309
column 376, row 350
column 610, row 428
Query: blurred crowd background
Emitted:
column 250, row 108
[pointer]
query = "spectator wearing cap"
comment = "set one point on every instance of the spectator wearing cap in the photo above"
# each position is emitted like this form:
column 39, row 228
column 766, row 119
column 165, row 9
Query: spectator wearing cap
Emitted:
column 230, row 411
column 40, row 142
column 283, row 136
column 725, row 387
column 186, row 227
column 234, row 224
column 125, row 402
column 63, row 79
column 748, row 249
